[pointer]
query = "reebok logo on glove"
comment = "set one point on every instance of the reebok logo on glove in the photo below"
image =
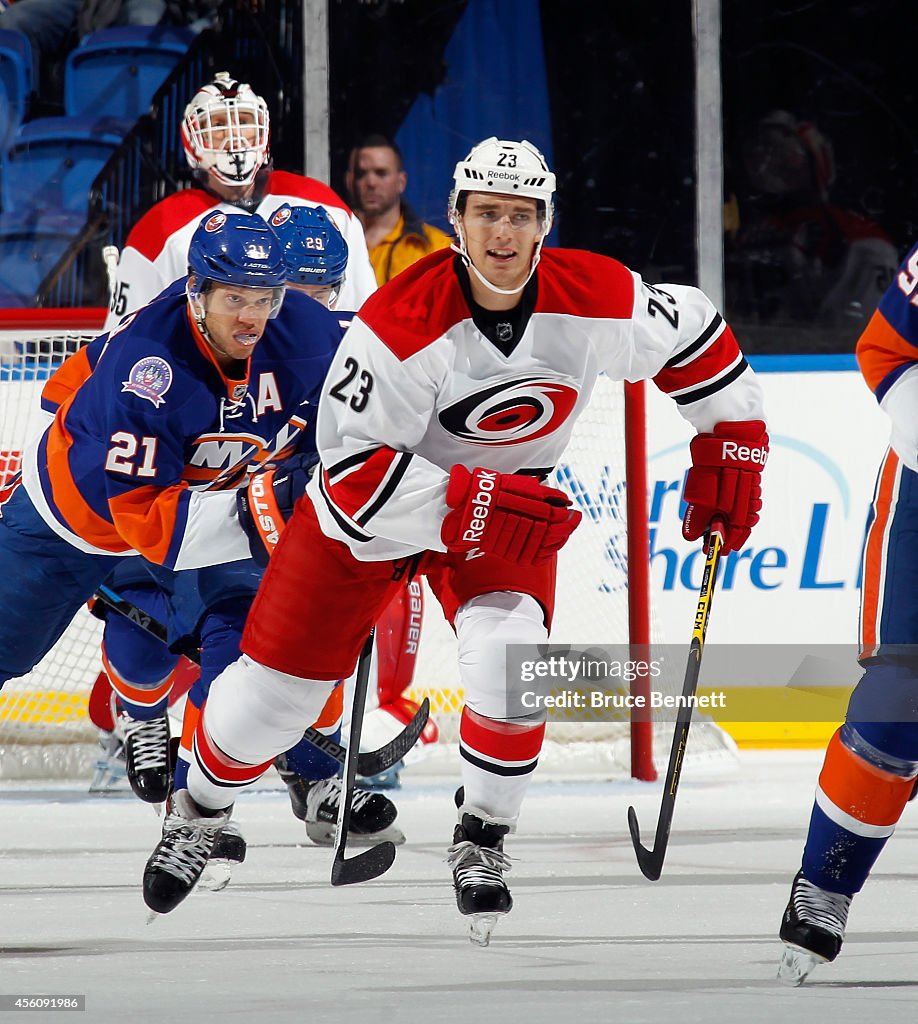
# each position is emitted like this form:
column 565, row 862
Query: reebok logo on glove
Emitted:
column 725, row 481
column 743, row 453
column 481, row 505
column 506, row 514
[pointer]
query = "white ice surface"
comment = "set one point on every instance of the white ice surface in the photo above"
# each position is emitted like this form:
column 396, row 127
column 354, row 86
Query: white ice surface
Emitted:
column 589, row 939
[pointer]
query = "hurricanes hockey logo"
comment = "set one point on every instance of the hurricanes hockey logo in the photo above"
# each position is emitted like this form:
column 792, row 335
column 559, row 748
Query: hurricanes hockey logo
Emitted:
column 510, row 412
column 150, row 378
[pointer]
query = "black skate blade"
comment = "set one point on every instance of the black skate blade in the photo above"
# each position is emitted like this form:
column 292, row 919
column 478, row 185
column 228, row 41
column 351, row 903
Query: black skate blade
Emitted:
column 375, row 762
column 370, row 864
column 651, row 866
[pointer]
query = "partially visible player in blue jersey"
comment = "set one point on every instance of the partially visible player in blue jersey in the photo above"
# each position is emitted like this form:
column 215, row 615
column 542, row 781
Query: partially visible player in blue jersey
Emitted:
column 185, row 398
column 870, row 770
column 143, row 456
column 211, row 604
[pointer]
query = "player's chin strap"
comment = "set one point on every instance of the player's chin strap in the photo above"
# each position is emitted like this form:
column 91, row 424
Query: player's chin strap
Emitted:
column 467, row 260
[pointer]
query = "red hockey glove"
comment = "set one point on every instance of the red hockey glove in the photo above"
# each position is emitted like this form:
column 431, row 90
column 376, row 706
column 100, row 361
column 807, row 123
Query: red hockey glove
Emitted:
column 506, row 514
column 725, row 481
column 265, row 505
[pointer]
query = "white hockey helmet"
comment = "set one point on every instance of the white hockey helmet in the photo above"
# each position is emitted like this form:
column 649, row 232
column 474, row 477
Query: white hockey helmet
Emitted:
column 507, row 168
column 225, row 130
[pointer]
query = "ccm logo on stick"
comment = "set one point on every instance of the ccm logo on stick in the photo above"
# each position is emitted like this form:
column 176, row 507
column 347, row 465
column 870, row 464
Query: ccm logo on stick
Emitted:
column 481, row 507
column 743, row 453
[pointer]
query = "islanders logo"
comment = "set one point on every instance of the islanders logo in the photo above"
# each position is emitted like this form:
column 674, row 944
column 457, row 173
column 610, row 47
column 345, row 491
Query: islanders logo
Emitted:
column 281, row 216
column 215, row 222
column 150, row 378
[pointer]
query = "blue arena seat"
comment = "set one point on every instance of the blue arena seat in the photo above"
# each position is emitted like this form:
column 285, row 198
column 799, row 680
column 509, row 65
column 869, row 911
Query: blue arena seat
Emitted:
column 16, row 81
column 52, row 162
column 116, row 71
column 29, row 251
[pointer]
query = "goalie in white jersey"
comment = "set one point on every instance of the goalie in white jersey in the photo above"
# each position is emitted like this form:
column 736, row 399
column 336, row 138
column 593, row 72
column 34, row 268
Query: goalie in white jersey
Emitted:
column 226, row 132
column 451, row 398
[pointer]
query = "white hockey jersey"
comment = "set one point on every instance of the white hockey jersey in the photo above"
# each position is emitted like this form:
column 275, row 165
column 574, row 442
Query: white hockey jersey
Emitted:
column 416, row 387
column 156, row 251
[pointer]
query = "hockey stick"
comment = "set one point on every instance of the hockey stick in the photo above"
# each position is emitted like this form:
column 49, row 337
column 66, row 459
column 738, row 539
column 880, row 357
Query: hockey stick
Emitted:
column 651, row 861
column 371, row 763
column 378, row 859
column 110, row 257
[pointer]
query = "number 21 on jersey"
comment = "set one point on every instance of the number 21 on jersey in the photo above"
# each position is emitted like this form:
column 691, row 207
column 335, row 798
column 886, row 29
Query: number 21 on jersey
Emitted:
column 123, row 455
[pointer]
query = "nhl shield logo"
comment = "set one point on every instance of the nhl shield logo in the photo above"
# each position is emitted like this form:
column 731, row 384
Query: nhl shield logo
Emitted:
column 150, row 378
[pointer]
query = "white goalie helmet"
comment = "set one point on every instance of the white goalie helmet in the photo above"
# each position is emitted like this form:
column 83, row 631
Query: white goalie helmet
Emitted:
column 506, row 168
column 225, row 131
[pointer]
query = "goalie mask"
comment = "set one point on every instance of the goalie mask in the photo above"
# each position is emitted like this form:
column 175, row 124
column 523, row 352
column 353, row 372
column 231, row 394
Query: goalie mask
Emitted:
column 238, row 250
column 225, row 131
column 505, row 168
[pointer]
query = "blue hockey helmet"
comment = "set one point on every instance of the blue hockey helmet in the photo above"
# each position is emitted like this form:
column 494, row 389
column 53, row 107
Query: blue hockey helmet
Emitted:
column 235, row 249
column 314, row 249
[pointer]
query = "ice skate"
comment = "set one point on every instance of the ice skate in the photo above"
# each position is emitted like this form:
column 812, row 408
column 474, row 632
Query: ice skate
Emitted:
column 110, row 771
column 180, row 856
column 316, row 805
column 478, row 862
column 812, row 930
column 229, row 848
column 389, row 779
column 146, row 751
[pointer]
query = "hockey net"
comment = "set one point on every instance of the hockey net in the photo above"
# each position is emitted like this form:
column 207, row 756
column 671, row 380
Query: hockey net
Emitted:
column 45, row 730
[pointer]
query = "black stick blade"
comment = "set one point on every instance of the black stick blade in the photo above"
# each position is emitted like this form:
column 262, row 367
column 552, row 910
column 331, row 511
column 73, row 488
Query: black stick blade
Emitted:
column 375, row 761
column 651, row 866
column 367, row 865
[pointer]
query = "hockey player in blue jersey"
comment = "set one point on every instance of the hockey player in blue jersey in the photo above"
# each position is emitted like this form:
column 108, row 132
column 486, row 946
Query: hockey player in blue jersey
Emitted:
column 211, row 603
column 144, row 457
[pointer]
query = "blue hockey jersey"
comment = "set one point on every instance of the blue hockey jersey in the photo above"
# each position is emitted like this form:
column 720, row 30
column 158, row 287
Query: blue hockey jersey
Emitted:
column 145, row 451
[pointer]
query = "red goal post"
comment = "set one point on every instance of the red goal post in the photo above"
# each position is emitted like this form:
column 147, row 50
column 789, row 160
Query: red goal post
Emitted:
column 604, row 579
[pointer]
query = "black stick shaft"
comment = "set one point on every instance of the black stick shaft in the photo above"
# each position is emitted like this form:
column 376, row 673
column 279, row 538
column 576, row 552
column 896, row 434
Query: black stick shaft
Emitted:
column 379, row 858
column 651, row 861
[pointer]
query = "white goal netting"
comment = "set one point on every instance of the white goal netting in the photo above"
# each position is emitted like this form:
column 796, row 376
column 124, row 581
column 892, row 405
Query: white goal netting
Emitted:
column 44, row 726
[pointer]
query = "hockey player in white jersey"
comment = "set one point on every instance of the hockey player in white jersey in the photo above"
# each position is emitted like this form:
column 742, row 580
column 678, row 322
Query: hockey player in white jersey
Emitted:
column 226, row 137
column 449, row 402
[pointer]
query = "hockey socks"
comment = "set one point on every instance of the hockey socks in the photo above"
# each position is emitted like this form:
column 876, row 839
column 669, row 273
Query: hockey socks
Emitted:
column 498, row 761
column 859, row 799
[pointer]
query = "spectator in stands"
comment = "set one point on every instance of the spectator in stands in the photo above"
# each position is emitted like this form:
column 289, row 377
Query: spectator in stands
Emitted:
column 226, row 135
column 793, row 255
column 396, row 236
